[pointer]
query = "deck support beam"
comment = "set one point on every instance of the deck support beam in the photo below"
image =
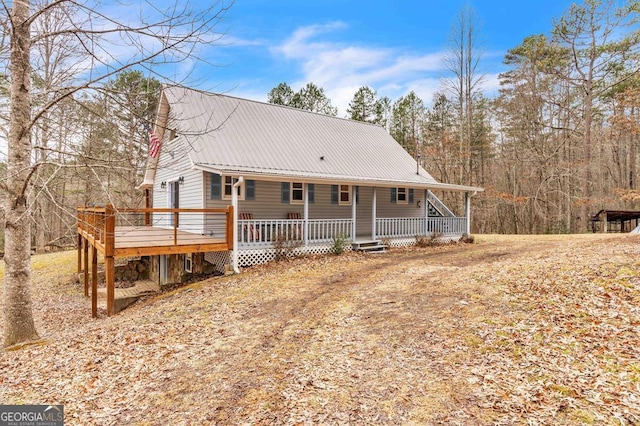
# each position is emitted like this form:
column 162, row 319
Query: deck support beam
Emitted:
column 86, row 267
column 109, row 260
column 94, row 282
column 79, row 252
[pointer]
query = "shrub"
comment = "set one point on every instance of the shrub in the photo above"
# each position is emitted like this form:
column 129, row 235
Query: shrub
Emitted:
column 466, row 238
column 338, row 246
column 386, row 242
column 430, row 240
column 284, row 247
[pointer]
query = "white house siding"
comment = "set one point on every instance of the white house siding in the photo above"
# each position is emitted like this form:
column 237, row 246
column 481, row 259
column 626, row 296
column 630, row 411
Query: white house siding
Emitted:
column 172, row 164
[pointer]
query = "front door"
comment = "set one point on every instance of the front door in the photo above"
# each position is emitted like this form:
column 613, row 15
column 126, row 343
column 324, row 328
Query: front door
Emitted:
column 174, row 201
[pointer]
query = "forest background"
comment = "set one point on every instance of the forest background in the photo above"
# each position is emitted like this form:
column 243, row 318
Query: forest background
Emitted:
column 556, row 143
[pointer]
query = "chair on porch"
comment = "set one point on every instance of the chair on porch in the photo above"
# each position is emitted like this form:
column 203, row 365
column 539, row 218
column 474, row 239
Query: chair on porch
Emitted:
column 251, row 232
column 296, row 230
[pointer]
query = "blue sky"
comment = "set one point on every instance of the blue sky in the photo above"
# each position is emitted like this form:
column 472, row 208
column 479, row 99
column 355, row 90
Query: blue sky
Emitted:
column 394, row 46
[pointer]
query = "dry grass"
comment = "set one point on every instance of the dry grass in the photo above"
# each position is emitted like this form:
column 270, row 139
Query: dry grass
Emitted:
column 510, row 330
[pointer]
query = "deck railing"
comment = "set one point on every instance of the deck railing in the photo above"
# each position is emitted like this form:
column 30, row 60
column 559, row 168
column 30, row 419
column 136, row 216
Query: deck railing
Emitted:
column 99, row 223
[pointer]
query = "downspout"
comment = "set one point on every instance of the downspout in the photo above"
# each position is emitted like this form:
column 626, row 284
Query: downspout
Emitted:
column 234, row 203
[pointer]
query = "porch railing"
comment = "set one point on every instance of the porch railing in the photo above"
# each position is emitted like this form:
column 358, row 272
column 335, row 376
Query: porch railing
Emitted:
column 262, row 232
column 407, row 227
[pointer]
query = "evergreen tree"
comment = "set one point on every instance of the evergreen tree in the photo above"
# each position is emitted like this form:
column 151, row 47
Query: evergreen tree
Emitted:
column 365, row 106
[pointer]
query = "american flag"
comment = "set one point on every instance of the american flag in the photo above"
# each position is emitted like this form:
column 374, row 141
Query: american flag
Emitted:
column 154, row 143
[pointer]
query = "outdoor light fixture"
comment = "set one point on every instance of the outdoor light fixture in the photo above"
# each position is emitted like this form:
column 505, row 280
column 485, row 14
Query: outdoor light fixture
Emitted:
column 419, row 203
column 181, row 180
column 163, row 184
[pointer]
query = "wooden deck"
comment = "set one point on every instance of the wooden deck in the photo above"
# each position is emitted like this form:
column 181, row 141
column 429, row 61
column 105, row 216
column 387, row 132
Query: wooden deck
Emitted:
column 97, row 231
column 151, row 240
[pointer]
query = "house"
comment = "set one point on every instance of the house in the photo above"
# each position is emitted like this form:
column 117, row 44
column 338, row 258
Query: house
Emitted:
column 290, row 175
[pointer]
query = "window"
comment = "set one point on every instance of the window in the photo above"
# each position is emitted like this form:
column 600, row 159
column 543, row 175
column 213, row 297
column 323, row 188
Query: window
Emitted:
column 401, row 196
column 344, row 195
column 293, row 192
column 297, row 193
column 247, row 190
column 229, row 181
column 188, row 263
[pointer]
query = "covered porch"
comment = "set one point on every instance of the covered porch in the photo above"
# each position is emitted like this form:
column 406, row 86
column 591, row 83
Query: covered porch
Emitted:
column 364, row 223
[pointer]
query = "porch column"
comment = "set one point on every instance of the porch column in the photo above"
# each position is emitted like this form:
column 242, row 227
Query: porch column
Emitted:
column 353, row 212
column 426, row 212
column 306, row 214
column 467, row 213
column 374, row 206
column 605, row 223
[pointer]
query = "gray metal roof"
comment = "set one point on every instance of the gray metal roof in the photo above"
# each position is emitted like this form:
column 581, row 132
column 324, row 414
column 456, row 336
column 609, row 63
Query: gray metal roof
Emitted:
column 233, row 135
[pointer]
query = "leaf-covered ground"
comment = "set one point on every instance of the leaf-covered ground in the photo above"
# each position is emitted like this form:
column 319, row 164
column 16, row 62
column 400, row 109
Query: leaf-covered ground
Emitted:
column 509, row 330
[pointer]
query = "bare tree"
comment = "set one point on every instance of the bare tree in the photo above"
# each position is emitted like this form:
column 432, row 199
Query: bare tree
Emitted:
column 150, row 37
column 596, row 55
column 462, row 61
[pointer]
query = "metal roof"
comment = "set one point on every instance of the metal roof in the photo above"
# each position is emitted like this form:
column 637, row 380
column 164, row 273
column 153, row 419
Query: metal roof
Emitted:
column 232, row 135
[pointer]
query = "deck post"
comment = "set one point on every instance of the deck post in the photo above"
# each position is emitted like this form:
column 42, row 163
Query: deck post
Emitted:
column 229, row 216
column 109, row 262
column 94, row 282
column 175, row 228
column 147, row 204
column 467, row 213
column 86, row 268
column 374, row 212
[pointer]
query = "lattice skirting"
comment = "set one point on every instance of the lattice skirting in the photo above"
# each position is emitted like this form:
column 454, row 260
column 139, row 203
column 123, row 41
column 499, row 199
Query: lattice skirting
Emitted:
column 249, row 257
column 265, row 255
column 220, row 259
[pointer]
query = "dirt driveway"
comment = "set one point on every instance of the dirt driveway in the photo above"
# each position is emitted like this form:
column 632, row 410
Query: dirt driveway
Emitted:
column 509, row 330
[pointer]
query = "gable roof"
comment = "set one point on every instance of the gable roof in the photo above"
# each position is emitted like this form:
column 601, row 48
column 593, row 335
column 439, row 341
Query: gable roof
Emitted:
column 259, row 140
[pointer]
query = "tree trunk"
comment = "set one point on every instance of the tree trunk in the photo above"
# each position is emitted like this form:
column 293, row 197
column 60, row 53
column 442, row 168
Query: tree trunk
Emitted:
column 18, row 316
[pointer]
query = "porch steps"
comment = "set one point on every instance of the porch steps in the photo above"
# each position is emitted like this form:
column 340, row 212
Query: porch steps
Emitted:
column 369, row 246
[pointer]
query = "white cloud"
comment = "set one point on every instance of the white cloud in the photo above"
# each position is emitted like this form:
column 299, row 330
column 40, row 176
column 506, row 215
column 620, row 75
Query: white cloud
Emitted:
column 341, row 68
